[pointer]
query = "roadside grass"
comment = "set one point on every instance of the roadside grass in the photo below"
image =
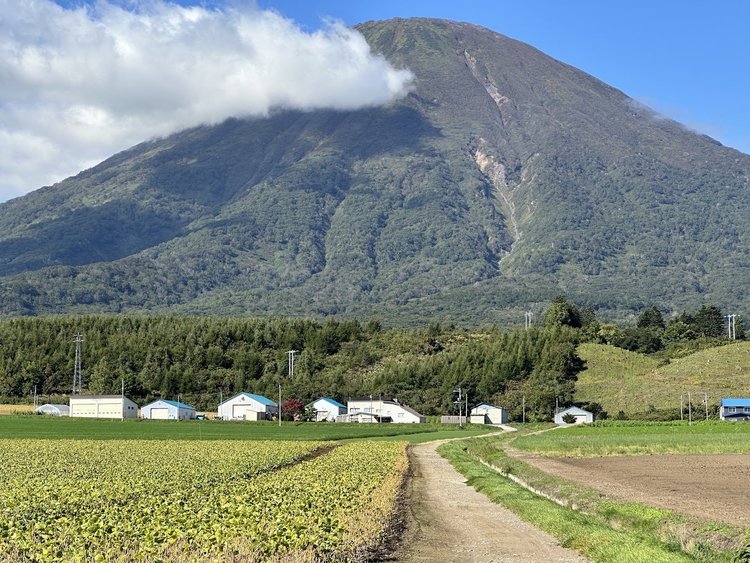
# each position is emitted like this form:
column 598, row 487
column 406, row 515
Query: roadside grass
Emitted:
column 43, row 427
column 613, row 438
column 601, row 529
column 627, row 381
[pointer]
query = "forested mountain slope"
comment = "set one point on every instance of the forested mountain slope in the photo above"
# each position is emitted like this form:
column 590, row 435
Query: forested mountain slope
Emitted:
column 503, row 179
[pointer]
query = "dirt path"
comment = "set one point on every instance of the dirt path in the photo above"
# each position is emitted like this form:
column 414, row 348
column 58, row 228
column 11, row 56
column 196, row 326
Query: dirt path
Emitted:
column 453, row 522
column 709, row 486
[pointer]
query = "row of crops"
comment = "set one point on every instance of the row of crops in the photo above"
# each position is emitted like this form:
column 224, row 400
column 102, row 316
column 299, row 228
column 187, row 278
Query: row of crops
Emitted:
column 136, row 500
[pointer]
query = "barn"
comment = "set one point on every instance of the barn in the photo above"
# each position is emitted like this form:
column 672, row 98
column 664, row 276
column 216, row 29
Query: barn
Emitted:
column 248, row 406
column 168, row 410
column 384, row 410
column 488, row 414
column 53, row 410
column 582, row 416
column 734, row 409
column 102, row 406
column 327, row 409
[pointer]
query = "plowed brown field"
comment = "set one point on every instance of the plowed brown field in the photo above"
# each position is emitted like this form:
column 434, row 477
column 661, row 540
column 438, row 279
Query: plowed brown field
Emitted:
column 716, row 487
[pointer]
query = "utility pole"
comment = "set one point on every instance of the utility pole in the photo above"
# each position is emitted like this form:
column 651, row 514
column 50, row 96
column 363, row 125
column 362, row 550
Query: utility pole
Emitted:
column 459, row 401
column 705, row 400
column 523, row 408
column 290, row 368
column 682, row 408
column 528, row 318
column 690, row 410
column 122, row 399
column 77, row 378
column 732, row 327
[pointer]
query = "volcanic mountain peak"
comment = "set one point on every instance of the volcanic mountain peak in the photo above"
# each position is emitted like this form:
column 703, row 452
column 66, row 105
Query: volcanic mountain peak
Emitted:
column 504, row 178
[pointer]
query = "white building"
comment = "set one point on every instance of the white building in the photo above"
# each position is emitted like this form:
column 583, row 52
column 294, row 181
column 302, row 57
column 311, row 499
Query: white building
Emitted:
column 382, row 410
column 53, row 410
column 327, row 409
column 168, row 410
column 102, row 406
column 582, row 416
column 247, row 406
column 488, row 414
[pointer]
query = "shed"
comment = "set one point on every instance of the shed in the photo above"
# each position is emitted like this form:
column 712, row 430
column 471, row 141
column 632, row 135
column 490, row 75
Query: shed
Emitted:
column 102, row 406
column 582, row 416
column 327, row 409
column 168, row 410
column 734, row 409
column 53, row 410
column 248, row 406
column 491, row 413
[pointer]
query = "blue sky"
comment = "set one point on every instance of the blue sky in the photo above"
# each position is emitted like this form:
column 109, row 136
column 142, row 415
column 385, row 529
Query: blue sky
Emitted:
column 80, row 85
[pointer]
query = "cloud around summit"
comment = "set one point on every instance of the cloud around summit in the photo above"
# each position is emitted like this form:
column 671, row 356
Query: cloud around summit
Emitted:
column 79, row 84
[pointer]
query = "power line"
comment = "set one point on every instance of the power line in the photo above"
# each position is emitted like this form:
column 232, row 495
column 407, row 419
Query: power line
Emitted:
column 77, row 373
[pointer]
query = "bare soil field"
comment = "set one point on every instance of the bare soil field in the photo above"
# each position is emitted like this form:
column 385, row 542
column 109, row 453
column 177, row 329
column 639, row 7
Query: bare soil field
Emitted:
column 451, row 521
column 708, row 486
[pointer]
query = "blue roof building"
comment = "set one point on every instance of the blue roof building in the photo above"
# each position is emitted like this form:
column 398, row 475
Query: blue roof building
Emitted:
column 168, row 410
column 248, row 406
column 734, row 409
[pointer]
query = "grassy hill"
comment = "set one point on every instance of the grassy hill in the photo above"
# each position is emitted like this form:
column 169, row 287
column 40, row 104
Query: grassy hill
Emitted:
column 626, row 381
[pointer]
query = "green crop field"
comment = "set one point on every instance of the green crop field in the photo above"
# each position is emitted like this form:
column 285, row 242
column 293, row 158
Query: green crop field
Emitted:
column 129, row 500
column 41, row 427
column 640, row 439
column 626, row 381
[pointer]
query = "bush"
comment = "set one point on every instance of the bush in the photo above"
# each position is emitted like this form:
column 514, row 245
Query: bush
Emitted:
column 568, row 418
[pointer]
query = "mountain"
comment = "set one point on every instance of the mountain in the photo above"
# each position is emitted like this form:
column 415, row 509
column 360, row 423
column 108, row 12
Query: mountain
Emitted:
column 503, row 179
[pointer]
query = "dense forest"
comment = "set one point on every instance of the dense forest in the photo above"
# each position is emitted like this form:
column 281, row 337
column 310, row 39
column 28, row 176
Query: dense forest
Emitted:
column 200, row 359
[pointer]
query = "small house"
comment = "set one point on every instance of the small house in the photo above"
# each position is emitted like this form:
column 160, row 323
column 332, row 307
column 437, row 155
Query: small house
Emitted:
column 488, row 414
column 248, row 406
column 168, row 410
column 581, row 416
column 327, row 409
column 53, row 410
column 102, row 406
column 734, row 409
column 383, row 410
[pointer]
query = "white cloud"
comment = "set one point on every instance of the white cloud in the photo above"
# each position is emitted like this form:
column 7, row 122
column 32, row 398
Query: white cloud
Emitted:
column 80, row 84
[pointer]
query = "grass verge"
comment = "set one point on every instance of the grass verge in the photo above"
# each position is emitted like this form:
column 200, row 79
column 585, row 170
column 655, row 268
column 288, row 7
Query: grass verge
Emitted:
column 599, row 528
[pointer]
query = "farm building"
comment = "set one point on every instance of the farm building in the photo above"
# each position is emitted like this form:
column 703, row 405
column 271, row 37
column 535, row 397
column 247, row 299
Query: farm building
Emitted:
column 734, row 409
column 53, row 410
column 248, row 406
column 582, row 416
column 327, row 409
column 102, row 406
column 488, row 414
column 168, row 410
column 382, row 410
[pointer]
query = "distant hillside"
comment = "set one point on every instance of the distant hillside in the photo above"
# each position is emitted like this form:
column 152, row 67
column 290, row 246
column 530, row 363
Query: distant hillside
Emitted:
column 625, row 381
column 505, row 178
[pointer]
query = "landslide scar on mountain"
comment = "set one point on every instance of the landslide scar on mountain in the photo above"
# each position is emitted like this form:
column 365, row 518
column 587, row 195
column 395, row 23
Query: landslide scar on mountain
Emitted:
column 494, row 172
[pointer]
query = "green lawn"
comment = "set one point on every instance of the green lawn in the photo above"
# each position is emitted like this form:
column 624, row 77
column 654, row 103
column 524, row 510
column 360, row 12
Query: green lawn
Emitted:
column 25, row 427
column 640, row 439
